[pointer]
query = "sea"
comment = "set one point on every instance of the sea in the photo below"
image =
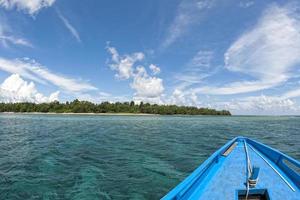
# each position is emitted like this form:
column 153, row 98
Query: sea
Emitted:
column 87, row 157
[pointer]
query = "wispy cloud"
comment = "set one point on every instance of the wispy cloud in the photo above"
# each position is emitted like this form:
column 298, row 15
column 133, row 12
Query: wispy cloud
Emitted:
column 7, row 40
column 7, row 37
column 202, row 60
column 267, row 53
column 195, row 71
column 240, row 87
column 32, row 70
column 198, row 68
column 292, row 94
column 30, row 6
column 69, row 26
column 246, row 4
column 187, row 14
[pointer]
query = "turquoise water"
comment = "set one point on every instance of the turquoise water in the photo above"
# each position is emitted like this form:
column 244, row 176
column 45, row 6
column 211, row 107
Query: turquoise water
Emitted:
column 120, row 157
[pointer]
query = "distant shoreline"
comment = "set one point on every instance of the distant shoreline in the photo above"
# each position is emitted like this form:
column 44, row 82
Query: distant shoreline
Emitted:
column 106, row 108
column 138, row 114
column 105, row 114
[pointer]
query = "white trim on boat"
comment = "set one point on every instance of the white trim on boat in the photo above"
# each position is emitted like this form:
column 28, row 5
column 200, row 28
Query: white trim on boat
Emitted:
column 273, row 168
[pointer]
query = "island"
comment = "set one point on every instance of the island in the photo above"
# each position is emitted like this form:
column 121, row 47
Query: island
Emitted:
column 77, row 106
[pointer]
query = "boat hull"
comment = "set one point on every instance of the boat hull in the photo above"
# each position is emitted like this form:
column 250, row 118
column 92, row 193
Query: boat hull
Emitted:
column 225, row 174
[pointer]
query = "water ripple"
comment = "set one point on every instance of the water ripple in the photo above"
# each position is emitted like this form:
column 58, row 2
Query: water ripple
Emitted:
column 119, row 157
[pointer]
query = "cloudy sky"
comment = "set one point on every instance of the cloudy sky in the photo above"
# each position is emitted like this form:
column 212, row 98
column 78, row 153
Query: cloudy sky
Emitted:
column 241, row 55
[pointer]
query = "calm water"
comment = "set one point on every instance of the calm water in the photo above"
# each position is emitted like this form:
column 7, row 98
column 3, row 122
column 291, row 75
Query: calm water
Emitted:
column 119, row 157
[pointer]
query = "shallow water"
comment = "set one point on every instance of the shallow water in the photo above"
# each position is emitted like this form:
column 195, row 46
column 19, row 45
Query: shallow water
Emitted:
column 120, row 157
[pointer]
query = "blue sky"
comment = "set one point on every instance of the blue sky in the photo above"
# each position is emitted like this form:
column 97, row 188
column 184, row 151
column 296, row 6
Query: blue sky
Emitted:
column 226, row 54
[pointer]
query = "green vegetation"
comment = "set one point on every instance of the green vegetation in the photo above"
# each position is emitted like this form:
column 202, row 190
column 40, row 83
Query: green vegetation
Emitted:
column 77, row 106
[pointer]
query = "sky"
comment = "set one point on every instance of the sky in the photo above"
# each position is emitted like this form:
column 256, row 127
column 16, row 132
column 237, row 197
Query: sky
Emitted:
column 238, row 55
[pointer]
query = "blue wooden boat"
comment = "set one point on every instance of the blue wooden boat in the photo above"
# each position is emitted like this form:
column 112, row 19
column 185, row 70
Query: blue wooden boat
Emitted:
column 242, row 169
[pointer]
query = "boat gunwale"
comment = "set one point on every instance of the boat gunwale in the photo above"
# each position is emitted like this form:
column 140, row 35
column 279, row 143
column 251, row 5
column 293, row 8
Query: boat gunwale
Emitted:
column 277, row 157
column 182, row 187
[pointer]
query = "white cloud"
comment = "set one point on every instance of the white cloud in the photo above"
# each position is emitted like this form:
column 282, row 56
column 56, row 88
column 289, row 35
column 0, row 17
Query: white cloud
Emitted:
column 69, row 26
column 261, row 105
column 147, row 88
column 7, row 37
column 29, row 6
column 268, row 53
column 187, row 14
column 124, row 64
column 34, row 71
column 155, row 70
column 183, row 98
column 99, row 97
column 145, row 85
column 15, row 89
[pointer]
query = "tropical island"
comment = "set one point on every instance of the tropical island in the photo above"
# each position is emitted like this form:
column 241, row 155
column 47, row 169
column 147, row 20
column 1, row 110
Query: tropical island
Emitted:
column 77, row 106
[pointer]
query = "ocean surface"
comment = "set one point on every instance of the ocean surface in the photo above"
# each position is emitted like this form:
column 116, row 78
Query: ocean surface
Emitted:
column 120, row 157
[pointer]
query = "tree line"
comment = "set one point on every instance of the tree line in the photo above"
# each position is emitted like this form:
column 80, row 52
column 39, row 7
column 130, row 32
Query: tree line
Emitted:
column 77, row 106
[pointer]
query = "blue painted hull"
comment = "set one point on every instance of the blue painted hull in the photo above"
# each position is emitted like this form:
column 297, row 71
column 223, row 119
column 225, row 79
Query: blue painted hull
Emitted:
column 225, row 174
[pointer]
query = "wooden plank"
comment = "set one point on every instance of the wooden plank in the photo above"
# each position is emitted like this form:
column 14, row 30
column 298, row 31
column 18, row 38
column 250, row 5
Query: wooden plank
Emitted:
column 227, row 152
